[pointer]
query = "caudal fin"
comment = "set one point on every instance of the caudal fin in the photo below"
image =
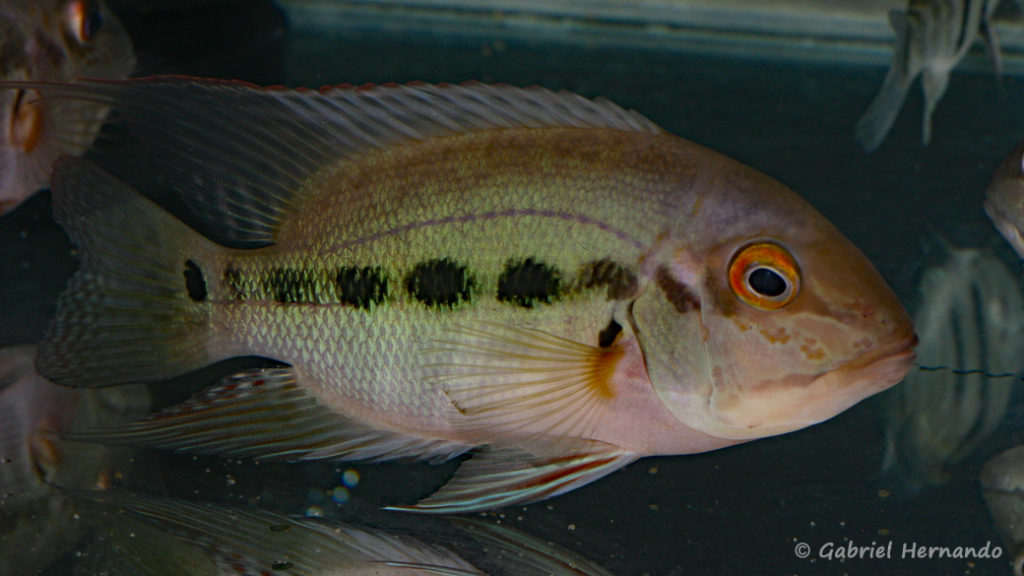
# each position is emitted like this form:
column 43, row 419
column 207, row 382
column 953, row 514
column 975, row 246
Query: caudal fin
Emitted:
column 136, row 309
column 878, row 119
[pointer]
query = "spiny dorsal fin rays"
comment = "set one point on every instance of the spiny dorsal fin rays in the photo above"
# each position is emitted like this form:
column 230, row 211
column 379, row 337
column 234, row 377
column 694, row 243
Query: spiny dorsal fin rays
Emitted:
column 239, row 153
column 265, row 414
column 516, row 383
column 493, row 478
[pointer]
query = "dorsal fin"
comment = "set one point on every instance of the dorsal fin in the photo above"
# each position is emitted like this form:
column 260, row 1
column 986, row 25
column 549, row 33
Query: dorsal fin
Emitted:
column 239, row 153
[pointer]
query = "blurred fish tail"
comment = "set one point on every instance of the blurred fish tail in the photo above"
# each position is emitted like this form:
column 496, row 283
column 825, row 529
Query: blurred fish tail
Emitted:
column 878, row 119
column 136, row 311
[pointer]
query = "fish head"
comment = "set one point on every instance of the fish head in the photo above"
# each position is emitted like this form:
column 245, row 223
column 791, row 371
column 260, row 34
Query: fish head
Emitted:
column 762, row 318
column 1004, row 199
column 58, row 41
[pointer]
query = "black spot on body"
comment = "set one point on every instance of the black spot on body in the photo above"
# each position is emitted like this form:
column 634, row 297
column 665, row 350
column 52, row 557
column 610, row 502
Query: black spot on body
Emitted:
column 440, row 282
column 678, row 294
column 607, row 336
column 527, row 282
column 621, row 282
column 293, row 285
column 195, row 283
column 362, row 287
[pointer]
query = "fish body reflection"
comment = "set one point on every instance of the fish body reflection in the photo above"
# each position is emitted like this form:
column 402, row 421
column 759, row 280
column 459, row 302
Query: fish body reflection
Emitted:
column 36, row 519
column 57, row 40
column 971, row 324
column 142, row 535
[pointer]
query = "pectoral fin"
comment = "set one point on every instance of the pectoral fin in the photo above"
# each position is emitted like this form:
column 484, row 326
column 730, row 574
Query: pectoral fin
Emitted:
column 266, row 414
column 497, row 477
column 511, row 385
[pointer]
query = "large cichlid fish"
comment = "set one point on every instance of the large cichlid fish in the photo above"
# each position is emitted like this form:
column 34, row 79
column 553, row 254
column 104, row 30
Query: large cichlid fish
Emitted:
column 1004, row 199
column 554, row 279
column 54, row 40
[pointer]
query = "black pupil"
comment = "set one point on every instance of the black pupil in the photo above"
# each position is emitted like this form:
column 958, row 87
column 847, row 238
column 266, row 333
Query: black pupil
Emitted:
column 93, row 23
column 767, row 282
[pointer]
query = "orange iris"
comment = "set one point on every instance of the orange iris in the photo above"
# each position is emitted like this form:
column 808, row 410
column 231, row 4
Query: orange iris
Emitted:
column 764, row 275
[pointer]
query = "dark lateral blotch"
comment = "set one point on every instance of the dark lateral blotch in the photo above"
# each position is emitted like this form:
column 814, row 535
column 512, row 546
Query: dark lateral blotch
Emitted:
column 527, row 282
column 678, row 294
column 362, row 287
column 439, row 282
column 621, row 282
column 292, row 285
column 195, row 283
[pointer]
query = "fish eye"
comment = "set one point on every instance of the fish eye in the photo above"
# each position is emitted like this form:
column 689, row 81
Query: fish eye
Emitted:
column 85, row 19
column 764, row 275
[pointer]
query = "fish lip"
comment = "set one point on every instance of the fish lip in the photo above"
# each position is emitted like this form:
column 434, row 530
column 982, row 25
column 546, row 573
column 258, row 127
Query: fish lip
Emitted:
column 887, row 364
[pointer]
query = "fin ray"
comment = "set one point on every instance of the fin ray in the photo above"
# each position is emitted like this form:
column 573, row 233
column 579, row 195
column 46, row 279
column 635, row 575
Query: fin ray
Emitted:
column 124, row 316
column 496, row 477
column 265, row 414
column 194, row 127
column 509, row 382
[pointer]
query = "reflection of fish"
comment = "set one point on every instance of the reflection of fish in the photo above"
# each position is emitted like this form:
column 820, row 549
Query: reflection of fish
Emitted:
column 52, row 40
column 1002, row 484
column 1004, row 199
column 36, row 524
column 448, row 267
column 932, row 36
column 141, row 535
column 972, row 316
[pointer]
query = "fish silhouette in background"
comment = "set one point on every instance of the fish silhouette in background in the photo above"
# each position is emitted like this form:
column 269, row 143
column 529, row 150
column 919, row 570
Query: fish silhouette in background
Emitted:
column 551, row 282
column 1004, row 199
column 932, row 37
column 971, row 316
column 57, row 40
column 36, row 518
column 141, row 535
column 1002, row 485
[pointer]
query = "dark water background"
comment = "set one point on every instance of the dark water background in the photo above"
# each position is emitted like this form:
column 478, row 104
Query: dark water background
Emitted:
column 736, row 511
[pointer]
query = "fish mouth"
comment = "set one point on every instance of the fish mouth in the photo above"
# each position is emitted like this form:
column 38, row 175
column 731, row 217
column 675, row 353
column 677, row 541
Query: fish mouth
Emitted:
column 882, row 367
column 802, row 400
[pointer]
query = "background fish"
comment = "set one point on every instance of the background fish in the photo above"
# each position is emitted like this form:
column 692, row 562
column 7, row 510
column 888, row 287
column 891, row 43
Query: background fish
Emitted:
column 932, row 36
column 151, row 536
column 52, row 40
column 1004, row 199
column 554, row 279
column 971, row 323
column 1002, row 484
column 36, row 520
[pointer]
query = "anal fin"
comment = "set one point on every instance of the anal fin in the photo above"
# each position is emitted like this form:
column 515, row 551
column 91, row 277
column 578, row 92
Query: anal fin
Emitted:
column 266, row 414
column 496, row 477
